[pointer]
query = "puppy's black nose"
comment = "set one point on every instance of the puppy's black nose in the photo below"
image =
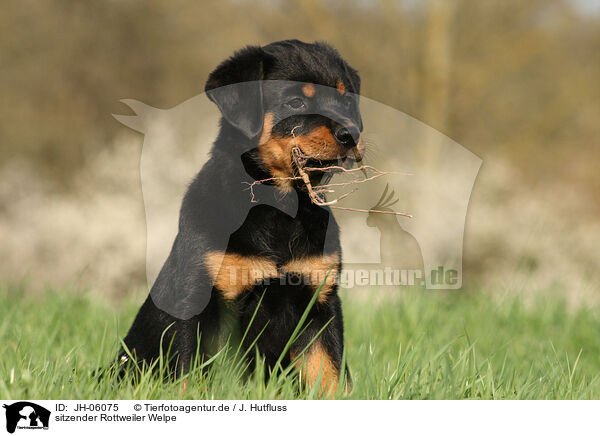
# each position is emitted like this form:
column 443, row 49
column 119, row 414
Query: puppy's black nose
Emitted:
column 347, row 136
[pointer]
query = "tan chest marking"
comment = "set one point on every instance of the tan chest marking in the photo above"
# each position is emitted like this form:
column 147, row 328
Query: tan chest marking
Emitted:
column 233, row 274
column 315, row 268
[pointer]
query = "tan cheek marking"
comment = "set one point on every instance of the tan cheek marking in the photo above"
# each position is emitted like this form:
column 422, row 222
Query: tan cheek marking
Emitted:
column 314, row 363
column 277, row 156
column 276, row 152
column 267, row 127
column 233, row 274
column 316, row 268
column 321, row 144
column 308, row 90
column 361, row 147
column 340, row 87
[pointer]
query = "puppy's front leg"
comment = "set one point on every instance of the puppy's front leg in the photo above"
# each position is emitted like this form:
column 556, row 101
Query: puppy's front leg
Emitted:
column 154, row 329
column 322, row 360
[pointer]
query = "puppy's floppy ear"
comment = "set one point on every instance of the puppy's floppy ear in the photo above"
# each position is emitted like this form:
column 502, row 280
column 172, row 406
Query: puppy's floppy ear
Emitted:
column 240, row 103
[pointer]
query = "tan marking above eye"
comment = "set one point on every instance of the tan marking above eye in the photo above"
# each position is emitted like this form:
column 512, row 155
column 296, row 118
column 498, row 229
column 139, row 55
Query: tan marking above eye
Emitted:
column 232, row 274
column 308, row 90
column 340, row 87
column 315, row 268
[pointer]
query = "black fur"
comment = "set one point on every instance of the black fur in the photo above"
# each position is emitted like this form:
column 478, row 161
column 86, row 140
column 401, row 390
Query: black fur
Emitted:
column 266, row 230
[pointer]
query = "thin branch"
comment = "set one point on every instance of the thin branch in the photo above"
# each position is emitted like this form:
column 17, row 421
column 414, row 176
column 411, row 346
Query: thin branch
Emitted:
column 351, row 170
column 387, row 212
column 260, row 182
column 317, row 194
column 352, row 182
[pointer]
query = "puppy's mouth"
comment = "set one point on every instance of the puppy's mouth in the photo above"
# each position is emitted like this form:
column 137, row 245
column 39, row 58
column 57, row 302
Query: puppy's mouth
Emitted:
column 331, row 165
column 320, row 171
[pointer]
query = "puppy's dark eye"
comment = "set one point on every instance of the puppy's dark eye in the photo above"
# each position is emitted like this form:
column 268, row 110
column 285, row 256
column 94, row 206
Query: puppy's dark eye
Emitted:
column 295, row 103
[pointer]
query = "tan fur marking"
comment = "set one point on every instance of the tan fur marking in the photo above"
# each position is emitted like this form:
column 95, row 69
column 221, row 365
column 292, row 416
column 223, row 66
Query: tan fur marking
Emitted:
column 316, row 268
column 360, row 147
column 314, row 363
column 320, row 144
column 233, row 274
column 308, row 90
column 277, row 156
column 276, row 152
column 267, row 127
column 340, row 87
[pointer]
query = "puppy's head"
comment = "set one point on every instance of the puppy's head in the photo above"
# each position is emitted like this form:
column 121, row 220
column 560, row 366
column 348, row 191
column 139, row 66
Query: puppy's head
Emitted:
column 291, row 94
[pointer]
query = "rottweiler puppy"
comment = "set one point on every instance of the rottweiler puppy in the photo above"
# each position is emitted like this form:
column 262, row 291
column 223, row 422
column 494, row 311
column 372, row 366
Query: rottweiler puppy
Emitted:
column 252, row 247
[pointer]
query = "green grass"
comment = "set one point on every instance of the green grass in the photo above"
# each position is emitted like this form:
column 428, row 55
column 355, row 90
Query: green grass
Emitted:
column 421, row 346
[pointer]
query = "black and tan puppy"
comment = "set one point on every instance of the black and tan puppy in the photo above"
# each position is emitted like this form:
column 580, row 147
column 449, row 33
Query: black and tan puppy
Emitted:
column 234, row 246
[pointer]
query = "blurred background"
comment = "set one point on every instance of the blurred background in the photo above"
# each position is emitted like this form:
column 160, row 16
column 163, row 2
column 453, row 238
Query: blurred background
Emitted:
column 516, row 82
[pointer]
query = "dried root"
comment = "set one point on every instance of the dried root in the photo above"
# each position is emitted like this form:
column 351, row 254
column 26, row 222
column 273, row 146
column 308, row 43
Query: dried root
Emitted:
column 317, row 194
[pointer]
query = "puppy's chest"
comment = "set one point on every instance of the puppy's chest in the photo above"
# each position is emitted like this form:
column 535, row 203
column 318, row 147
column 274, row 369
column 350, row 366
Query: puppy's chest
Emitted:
column 272, row 247
column 271, row 233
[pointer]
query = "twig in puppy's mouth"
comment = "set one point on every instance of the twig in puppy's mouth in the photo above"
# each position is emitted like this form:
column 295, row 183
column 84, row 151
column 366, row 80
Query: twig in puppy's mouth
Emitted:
column 317, row 194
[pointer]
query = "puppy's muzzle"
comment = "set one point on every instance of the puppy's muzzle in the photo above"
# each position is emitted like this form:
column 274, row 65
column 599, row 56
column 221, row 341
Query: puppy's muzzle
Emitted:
column 347, row 136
